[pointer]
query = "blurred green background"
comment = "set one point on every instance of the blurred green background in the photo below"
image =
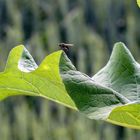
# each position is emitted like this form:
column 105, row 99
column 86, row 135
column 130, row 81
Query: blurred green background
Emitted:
column 93, row 26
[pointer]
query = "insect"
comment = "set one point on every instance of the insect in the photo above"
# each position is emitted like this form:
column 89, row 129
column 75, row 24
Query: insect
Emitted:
column 65, row 47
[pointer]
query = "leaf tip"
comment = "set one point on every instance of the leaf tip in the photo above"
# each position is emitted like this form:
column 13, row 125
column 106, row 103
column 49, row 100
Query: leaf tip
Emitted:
column 120, row 50
column 119, row 45
column 122, row 54
column 14, row 57
column 19, row 47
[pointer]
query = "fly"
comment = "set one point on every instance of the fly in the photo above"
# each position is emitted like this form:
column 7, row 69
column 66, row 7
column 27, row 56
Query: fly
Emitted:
column 65, row 47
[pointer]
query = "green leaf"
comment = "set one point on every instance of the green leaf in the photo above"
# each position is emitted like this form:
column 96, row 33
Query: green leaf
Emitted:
column 127, row 115
column 122, row 74
column 91, row 98
column 112, row 94
column 138, row 2
column 22, row 76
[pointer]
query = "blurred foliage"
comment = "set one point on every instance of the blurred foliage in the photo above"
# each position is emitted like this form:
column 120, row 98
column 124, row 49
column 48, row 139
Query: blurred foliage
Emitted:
column 93, row 26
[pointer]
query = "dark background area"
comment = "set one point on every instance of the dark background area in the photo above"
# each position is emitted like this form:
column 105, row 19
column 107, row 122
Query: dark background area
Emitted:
column 93, row 26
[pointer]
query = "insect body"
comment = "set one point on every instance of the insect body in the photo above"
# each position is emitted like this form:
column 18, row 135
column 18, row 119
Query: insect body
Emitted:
column 65, row 47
